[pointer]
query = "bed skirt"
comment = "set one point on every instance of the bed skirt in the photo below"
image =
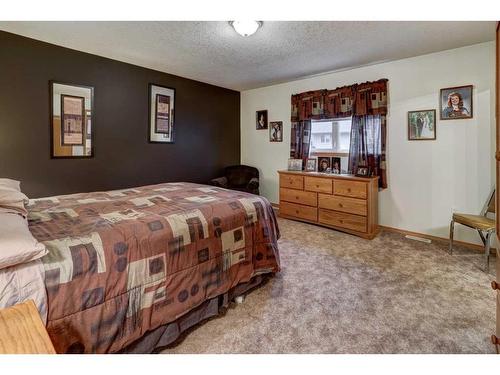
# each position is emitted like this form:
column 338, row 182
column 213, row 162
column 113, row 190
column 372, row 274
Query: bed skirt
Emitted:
column 167, row 334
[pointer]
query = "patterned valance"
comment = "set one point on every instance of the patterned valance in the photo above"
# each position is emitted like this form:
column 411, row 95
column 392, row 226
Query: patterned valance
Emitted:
column 369, row 98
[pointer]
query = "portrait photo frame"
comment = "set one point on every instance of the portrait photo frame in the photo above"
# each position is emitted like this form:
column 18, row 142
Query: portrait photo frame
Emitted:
column 422, row 125
column 311, row 164
column 363, row 171
column 261, row 119
column 455, row 103
column 295, row 164
column 324, row 164
column 72, row 126
column 276, row 131
column 161, row 127
column 336, row 165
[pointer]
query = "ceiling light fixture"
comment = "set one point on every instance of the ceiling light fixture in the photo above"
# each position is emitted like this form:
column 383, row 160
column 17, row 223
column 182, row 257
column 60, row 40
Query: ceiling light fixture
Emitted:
column 246, row 28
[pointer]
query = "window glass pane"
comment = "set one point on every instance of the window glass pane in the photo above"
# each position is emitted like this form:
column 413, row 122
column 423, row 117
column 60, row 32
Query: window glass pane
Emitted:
column 330, row 136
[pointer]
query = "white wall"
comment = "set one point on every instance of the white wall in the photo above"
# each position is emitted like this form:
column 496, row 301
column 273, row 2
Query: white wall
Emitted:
column 427, row 179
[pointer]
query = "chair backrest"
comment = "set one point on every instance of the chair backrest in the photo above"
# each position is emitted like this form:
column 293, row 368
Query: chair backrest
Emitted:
column 489, row 206
column 239, row 175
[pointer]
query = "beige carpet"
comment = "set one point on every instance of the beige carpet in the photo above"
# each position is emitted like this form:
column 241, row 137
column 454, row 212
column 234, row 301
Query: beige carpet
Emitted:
column 341, row 294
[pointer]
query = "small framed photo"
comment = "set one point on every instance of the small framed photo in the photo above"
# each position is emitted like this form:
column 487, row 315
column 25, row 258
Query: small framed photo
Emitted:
column 294, row 164
column 161, row 114
column 363, row 172
column 336, row 165
column 456, row 103
column 324, row 164
column 311, row 164
column 276, row 131
column 422, row 125
column 261, row 119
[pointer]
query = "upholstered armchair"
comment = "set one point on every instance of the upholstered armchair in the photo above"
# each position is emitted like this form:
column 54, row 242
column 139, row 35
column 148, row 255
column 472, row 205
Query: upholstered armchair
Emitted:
column 239, row 177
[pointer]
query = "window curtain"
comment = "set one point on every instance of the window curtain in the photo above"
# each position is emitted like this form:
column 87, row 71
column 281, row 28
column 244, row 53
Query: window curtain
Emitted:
column 366, row 103
column 300, row 140
column 369, row 130
column 367, row 147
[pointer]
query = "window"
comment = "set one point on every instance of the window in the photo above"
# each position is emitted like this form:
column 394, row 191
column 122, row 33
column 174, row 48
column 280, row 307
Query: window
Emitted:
column 330, row 137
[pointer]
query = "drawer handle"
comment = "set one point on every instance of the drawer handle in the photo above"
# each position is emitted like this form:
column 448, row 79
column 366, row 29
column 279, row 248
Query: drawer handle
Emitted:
column 296, row 211
column 341, row 205
column 348, row 190
column 297, row 198
column 341, row 221
column 495, row 285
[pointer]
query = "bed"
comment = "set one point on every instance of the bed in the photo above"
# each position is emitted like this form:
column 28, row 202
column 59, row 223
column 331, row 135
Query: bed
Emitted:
column 145, row 263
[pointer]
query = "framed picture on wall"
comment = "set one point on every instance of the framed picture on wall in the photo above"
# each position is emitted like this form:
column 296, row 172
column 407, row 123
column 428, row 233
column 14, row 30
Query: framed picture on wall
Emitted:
column 261, row 119
column 161, row 114
column 456, row 103
column 276, row 131
column 71, row 112
column 422, row 125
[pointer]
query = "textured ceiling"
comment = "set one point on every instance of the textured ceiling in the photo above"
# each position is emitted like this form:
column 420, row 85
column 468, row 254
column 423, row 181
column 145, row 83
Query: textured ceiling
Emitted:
column 280, row 51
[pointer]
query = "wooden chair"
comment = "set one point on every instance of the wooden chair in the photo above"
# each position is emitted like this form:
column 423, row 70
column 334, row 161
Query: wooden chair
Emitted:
column 484, row 226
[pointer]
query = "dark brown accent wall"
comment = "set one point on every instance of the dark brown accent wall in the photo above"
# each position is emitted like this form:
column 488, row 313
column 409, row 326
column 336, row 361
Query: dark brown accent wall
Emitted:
column 207, row 123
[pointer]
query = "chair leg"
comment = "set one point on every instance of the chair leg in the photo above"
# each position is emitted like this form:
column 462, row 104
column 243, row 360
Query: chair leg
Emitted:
column 487, row 252
column 452, row 225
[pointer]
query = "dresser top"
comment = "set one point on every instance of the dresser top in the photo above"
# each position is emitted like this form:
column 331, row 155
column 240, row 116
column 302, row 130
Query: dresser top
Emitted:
column 329, row 175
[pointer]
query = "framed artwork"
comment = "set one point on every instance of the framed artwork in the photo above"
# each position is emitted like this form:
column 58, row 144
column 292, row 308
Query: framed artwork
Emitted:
column 294, row 164
column 276, row 131
column 161, row 114
column 71, row 113
column 324, row 164
column 456, row 103
column 261, row 119
column 336, row 165
column 311, row 164
column 422, row 125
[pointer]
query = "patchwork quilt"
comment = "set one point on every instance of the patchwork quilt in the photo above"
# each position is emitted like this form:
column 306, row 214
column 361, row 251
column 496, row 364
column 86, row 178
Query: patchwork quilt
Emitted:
column 124, row 262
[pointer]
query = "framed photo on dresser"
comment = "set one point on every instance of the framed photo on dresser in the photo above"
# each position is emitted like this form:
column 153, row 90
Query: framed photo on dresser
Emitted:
column 161, row 114
column 71, row 113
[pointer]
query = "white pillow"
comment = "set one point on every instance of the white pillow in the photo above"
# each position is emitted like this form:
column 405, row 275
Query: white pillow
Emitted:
column 12, row 184
column 12, row 200
column 17, row 244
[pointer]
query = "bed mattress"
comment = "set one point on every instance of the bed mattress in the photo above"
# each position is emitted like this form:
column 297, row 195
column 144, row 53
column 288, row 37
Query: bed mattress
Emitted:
column 122, row 263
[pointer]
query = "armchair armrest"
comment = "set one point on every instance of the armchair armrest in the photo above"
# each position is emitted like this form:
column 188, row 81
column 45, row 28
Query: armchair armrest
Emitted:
column 253, row 183
column 220, row 181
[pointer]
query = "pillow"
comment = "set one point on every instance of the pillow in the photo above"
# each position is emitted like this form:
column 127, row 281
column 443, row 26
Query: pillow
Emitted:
column 8, row 183
column 17, row 244
column 12, row 200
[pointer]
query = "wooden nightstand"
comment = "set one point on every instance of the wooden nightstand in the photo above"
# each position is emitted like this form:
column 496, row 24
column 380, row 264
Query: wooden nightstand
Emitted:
column 22, row 331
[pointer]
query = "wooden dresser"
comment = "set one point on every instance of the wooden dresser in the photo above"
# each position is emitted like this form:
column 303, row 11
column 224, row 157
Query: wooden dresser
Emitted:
column 342, row 202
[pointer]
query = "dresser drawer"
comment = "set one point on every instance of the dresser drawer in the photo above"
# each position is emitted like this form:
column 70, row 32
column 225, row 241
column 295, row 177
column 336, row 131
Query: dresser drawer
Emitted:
column 322, row 185
column 291, row 181
column 343, row 220
column 297, row 210
column 344, row 204
column 350, row 188
column 297, row 196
